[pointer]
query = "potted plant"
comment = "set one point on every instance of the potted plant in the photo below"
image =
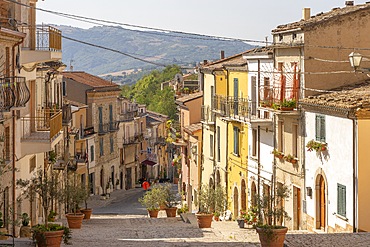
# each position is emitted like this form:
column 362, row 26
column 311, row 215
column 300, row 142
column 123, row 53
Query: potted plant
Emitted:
column 208, row 200
column 216, row 216
column 2, row 229
column 272, row 214
column 171, row 199
column 152, row 199
column 290, row 158
column 317, row 146
column 51, row 216
column 288, row 105
column 87, row 211
column 45, row 185
column 74, row 195
column 25, row 231
column 278, row 153
column 241, row 218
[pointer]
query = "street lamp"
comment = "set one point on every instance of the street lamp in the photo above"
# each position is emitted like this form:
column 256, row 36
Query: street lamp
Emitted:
column 355, row 59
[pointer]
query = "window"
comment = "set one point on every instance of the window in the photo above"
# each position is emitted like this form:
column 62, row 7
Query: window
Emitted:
column 211, row 145
column 100, row 109
column 295, row 140
column 281, row 136
column 218, row 144
column 320, row 128
column 101, row 142
column 111, row 145
column 341, row 200
column 32, row 164
column 236, row 140
column 92, row 154
column 64, row 88
column 254, row 142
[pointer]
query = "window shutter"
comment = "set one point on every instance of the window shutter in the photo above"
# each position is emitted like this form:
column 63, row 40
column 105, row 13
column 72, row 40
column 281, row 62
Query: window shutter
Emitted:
column 317, row 125
column 341, row 200
column 322, row 128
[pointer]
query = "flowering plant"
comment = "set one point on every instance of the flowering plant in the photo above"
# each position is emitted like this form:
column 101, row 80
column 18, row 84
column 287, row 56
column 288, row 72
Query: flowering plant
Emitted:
column 250, row 216
column 317, row 146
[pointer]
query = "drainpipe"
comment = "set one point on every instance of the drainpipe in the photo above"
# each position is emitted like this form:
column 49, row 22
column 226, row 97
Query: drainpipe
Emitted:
column 259, row 169
column 13, row 143
column 273, row 180
column 355, row 173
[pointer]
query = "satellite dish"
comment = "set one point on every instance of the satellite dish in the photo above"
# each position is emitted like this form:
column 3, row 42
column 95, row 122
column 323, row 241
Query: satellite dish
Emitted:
column 178, row 79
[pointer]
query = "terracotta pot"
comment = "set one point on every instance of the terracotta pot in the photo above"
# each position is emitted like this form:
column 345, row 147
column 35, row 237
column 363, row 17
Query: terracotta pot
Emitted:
column 286, row 108
column 75, row 220
column 153, row 213
column 272, row 239
column 216, row 218
column 171, row 212
column 162, row 207
column 25, row 232
column 87, row 212
column 3, row 230
column 49, row 239
column 204, row 220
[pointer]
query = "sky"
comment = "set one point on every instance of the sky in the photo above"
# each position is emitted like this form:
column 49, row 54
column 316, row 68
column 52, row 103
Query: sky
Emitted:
column 243, row 19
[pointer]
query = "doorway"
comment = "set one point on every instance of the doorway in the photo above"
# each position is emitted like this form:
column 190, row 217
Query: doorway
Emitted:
column 236, row 204
column 254, row 194
column 320, row 203
column 296, row 207
column 243, row 196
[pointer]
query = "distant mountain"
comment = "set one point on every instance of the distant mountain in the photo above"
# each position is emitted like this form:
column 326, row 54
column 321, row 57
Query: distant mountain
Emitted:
column 162, row 48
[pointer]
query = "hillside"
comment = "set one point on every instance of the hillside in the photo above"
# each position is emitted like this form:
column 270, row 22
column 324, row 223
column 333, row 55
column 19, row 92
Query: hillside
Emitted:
column 149, row 45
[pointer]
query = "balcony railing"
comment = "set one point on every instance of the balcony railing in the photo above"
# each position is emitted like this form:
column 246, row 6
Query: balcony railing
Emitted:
column 127, row 117
column 81, row 156
column 207, row 115
column 86, row 132
column 45, row 121
column 114, row 126
column 276, row 94
column 13, row 92
column 42, row 38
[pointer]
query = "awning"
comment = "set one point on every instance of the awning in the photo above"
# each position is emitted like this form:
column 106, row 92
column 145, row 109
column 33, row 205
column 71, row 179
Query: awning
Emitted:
column 148, row 163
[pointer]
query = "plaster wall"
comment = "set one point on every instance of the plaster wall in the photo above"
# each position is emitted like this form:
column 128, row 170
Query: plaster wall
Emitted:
column 336, row 166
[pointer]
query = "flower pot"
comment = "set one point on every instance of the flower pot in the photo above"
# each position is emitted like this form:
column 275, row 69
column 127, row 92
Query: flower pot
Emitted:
column 153, row 213
column 293, row 161
column 171, row 212
column 285, row 108
column 49, row 239
column 87, row 212
column 241, row 223
column 75, row 220
column 4, row 231
column 216, row 218
column 272, row 237
column 204, row 220
column 25, row 232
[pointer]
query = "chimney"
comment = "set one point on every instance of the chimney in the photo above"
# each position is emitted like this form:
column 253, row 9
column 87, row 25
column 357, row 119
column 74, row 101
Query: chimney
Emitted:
column 222, row 54
column 205, row 62
column 349, row 3
column 306, row 13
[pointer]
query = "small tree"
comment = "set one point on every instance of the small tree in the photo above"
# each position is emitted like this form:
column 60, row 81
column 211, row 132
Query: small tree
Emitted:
column 206, row 200
column 220, row 200
column 45, row 186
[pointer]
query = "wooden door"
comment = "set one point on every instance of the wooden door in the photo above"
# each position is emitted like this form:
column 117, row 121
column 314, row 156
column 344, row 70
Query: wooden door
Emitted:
column 322, row 203
column 236, row 204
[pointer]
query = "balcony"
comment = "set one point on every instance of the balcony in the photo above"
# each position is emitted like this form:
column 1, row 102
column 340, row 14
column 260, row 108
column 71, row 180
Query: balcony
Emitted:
column 108, row 127
column 274, row 97
column 13, row 93
column 85, row 133
column 127, row 117
column 41, row 133
column 81, row 156
column 42, row 44
column 207, row 116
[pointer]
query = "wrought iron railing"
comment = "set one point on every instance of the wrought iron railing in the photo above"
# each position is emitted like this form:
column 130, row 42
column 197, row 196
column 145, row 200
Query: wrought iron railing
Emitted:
column 114, row 126
column 127, row 117
column 86, row 132
column 207, row 115
column 103, row 128
column 270, row 95
column 42, row 38
column 13, row 92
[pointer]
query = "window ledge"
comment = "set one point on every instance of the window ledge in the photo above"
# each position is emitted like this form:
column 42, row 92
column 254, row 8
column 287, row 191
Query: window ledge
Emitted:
column 341, row 217
column 237, row 155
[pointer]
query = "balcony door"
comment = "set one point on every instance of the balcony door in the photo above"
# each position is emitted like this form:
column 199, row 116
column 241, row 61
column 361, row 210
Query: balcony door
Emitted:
column 236, row 93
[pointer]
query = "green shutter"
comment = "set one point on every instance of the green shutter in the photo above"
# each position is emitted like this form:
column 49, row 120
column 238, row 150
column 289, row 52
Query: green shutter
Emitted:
column 322, row 128
column 341, row 200
column 317, row 125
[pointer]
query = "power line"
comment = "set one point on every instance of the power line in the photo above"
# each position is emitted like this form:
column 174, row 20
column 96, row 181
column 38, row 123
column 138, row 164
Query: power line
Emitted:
column 192, row 35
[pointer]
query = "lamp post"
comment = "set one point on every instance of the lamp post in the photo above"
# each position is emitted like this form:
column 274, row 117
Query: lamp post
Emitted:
column 355, row 59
